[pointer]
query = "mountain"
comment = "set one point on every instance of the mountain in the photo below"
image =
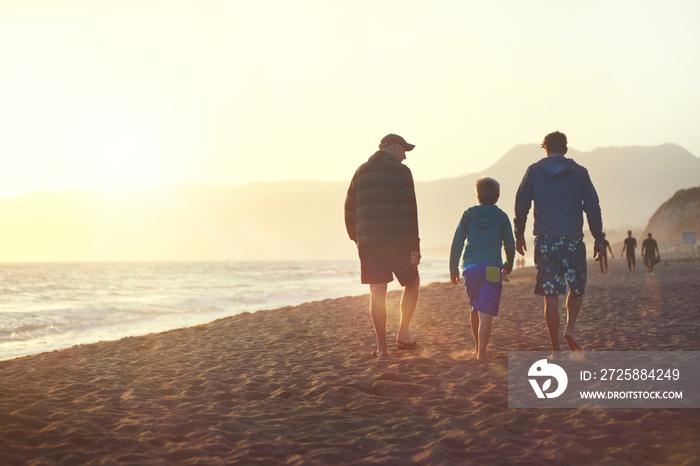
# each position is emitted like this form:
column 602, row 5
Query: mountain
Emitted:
column 260, row 221
column 304, row 219
column 679, row 214
column 631, row 183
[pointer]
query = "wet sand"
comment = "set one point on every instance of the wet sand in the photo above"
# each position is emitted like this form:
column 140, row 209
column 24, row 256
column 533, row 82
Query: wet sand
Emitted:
column 298, row 386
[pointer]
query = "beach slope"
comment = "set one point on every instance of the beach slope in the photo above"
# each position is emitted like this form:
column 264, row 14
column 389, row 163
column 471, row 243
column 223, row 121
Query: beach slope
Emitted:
column 297, row 386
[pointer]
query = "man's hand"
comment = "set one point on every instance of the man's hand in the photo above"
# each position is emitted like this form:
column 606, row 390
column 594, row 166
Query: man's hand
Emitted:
column 454, row 279
column 597, row 251
column 505, row 272
column 520, row 246
column 415, row 258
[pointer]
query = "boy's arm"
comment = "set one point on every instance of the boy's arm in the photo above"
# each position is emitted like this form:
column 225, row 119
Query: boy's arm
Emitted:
column 458, row 246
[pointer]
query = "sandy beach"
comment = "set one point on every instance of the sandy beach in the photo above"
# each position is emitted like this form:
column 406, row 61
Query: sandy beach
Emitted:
column 298, row 386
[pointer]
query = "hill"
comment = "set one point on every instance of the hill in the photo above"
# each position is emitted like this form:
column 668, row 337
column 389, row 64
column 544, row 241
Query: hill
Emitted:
column 679, row 214
column 260, row 221
column 631, row 183
column 304, row 219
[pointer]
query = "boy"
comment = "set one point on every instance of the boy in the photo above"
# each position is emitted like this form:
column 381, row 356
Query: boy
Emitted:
column 486, row 228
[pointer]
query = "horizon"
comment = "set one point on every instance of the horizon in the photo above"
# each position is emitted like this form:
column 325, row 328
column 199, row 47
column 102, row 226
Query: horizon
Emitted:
column 302, row 219
column 231, row 93
column 292, row 180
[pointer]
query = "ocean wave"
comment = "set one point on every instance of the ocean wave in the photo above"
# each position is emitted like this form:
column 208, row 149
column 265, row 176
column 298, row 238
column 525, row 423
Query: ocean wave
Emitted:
column 53, row 306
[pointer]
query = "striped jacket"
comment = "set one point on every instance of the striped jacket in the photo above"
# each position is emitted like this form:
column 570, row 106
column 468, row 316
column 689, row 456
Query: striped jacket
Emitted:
column 380, row 207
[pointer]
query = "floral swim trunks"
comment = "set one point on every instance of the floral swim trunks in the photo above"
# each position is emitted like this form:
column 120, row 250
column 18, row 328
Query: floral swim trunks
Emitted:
column 560, row 260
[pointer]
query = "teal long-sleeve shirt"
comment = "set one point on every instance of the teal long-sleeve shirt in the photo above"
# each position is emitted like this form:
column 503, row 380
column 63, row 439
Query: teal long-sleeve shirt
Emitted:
column 486, row 229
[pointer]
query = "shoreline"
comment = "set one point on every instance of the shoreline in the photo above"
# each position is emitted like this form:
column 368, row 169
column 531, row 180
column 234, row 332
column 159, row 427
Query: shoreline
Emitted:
column 57, row 306
column 296, row 385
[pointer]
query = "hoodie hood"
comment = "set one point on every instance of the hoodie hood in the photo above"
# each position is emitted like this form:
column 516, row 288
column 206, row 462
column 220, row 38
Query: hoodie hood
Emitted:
column 483, row 216
column 380, row 155
column 557, row 166
column 486, row 231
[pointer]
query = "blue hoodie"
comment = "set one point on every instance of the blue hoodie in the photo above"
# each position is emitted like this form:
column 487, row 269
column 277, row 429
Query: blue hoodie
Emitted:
column 488, row 229
column 562, row 192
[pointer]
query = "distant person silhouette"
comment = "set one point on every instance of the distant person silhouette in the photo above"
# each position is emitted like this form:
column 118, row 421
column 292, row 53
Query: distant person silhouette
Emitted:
column 603, row 258
column 650, row 253
column 562, row 191
column 486, row 230
column 381, row 218
column 629, row 246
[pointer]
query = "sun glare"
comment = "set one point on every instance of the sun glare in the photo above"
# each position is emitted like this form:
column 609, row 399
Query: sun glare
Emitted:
column 120, row 96
column 127, row 160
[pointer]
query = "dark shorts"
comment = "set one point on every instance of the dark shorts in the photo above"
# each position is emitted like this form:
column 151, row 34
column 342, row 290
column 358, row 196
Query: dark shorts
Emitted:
column 484, row 286
column 559, row 261
column 631, row 259
column 379, row 264
column 650, row 260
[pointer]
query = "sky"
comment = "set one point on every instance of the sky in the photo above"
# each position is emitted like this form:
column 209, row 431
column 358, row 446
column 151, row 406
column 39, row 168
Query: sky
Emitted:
column 126, row 95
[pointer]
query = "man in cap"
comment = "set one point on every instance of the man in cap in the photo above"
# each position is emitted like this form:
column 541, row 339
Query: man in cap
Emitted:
column 381, row 218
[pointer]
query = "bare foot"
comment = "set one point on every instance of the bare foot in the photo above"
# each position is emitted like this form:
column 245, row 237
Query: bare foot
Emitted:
column 569, row 337
column 407, row 344
column 377, row 354
column 405, row 340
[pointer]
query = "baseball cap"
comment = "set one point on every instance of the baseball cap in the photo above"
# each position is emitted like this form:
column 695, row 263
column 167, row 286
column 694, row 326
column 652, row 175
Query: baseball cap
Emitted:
column 396, row 139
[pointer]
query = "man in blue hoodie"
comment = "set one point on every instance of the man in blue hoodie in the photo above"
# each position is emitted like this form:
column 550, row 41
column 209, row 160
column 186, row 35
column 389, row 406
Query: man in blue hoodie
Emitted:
column 562, row 191
column 486, row 229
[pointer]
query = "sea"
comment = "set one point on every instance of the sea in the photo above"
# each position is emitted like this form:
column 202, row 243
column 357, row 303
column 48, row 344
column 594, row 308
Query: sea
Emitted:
column 52, row 306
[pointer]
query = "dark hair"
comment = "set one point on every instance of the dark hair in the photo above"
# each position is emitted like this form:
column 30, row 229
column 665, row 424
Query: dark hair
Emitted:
column 555, row 143
column 488, row 190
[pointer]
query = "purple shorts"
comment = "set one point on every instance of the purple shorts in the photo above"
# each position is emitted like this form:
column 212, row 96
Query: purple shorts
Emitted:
column 484, row 286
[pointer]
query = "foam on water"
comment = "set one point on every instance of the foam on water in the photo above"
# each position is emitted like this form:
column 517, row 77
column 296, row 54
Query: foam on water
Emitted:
column 53, row 306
